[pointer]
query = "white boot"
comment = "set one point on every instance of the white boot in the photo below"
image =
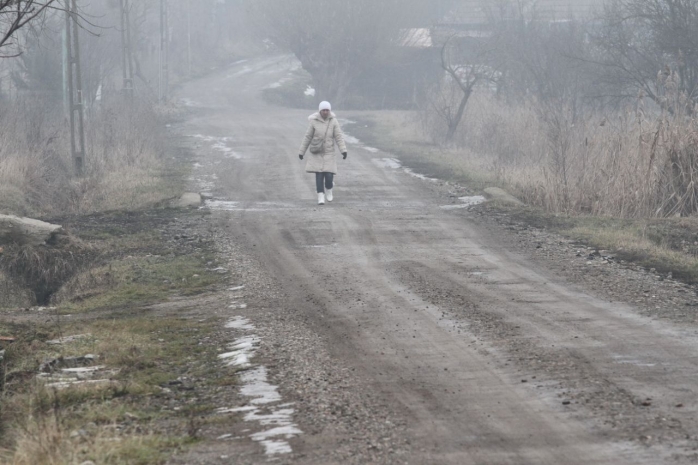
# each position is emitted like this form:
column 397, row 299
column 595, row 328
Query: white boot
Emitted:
column 328, row 194
column 321, row 198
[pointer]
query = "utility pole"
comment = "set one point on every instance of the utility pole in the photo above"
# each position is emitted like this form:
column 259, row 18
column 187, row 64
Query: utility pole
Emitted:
column 65, row 47
column 127, row 55
column 164, row 52
column 188, row 37
column 75, row 94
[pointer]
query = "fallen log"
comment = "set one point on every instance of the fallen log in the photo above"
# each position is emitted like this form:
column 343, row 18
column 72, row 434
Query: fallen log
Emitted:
column 26, row 231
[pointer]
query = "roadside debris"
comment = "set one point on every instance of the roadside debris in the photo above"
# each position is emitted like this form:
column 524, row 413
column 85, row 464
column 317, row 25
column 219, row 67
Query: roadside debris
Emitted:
column 59, row 363
column 64, row 372
column 69, row 339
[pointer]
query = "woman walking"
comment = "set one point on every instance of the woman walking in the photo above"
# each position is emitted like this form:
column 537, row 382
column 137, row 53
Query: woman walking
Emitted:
column 322, row 134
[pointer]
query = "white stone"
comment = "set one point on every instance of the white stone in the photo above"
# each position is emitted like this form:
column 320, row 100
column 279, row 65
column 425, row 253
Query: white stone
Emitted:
column 190, row 199
column 26, row 231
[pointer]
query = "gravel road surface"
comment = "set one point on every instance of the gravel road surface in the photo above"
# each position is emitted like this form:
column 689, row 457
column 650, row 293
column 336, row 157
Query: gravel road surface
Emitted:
column 393, row 330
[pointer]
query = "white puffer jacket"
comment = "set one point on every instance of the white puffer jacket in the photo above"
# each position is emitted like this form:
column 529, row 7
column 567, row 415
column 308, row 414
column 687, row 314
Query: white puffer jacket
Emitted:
column 325, row 162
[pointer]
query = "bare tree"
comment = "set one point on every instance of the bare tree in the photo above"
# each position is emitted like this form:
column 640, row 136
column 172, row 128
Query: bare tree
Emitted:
column 639, row 39
column 335, row 40
column 539, row 56
column 14, row 15
column 466, row 64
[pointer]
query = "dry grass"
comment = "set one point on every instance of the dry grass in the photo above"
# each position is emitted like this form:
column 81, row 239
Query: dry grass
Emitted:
column 631, row 243
column 12, row 295
column 138, row 415
column 53, row 446
column 125, row 169
column 116, row 423
column 629, row 164
column 43, row 270
column 124, row 162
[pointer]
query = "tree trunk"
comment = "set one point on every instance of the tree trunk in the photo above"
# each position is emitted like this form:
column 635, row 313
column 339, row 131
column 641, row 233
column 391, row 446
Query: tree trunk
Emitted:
column 455, row 122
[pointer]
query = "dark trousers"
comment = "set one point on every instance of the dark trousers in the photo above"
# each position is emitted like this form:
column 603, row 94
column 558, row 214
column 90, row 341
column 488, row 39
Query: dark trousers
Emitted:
column 324, row 181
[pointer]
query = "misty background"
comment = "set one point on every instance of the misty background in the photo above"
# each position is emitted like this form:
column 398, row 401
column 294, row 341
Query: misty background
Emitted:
column 581, row 107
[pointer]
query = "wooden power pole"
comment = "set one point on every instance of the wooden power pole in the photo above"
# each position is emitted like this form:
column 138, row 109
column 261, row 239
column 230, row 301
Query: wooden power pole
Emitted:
column 127, row 55
column 164, row 52
column 76, row 106
column 188, row 13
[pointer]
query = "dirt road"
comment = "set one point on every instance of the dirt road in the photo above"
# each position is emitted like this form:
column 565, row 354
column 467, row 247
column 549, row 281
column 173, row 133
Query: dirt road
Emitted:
column 468, row 351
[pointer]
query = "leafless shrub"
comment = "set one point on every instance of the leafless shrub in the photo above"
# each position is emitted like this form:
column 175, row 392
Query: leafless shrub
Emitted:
column 362, row 31
column 125, row 156
column 673, row 152
column 637, row 38
column 33, row 163
column 631, row 163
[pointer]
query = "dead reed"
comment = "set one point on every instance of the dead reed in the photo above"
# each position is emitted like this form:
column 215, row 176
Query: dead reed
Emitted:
column 124, row 160
column 44, row 269
column 631, row 163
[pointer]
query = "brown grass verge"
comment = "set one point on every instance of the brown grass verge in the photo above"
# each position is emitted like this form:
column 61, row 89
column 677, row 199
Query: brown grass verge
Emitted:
column 124, row 161
column 137, row 415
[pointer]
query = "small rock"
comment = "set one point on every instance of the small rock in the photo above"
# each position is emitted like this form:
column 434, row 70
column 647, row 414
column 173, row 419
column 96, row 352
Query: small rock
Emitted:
column 26, row 231
column 190, row 200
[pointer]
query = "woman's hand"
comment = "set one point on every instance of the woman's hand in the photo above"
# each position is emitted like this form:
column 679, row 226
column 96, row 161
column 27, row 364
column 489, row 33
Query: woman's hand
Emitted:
column 300, row 156
column 344, row 155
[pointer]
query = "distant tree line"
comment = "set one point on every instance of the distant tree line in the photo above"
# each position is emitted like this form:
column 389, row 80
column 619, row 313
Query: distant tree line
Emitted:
column 616, row 53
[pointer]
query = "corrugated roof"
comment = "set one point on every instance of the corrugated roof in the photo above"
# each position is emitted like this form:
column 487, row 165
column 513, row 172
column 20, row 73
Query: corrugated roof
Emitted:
column 476, row 11
column 416, row 38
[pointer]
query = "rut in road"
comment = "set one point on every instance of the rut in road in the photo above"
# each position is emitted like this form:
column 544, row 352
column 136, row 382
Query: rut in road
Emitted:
column 439, row 320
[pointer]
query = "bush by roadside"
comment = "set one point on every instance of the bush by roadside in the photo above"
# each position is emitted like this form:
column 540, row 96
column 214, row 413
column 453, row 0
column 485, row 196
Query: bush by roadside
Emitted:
column 634, row 162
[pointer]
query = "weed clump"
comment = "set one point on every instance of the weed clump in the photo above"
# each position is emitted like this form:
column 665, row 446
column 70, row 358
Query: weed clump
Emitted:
column 44, row 269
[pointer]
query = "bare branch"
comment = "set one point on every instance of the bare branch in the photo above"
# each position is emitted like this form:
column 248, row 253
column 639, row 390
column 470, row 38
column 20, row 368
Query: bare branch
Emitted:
column 16, row 14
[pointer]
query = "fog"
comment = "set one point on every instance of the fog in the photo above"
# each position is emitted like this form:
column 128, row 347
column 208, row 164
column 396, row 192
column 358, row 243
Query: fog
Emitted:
column 465, row 70
column 498, row 265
